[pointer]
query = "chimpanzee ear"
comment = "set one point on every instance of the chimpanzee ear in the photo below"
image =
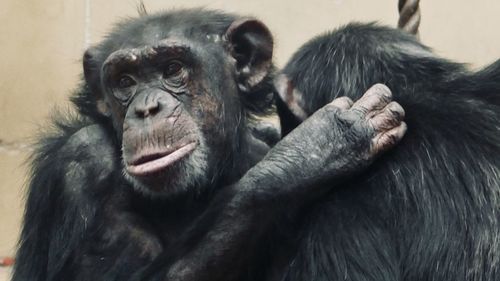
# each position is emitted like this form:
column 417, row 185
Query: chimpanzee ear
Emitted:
column 251, row 44
column 291, row 97
column 91, row 72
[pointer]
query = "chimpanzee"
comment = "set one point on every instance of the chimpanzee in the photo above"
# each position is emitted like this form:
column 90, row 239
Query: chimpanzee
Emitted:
column 429, row 209
column 160, row 158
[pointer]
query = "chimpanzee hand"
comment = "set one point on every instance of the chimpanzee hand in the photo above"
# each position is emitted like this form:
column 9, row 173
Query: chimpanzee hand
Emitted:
column 340, row 139
column 373, row 114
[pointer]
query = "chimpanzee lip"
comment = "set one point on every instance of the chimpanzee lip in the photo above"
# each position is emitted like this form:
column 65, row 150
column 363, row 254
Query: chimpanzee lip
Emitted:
column 151, row 163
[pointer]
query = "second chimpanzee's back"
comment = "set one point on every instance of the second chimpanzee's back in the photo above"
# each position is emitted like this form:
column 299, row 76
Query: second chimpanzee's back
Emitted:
column 428, row 209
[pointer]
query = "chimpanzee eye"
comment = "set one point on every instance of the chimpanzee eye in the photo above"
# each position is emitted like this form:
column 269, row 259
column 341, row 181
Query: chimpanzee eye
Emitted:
column 126, row 81
column 174, row 68
column 123, row 88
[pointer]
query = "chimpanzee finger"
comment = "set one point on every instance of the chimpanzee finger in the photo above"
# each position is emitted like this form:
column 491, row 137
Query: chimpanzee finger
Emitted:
column 376, row 98
column 391, row 116
column 388, row 139
column 342, row 103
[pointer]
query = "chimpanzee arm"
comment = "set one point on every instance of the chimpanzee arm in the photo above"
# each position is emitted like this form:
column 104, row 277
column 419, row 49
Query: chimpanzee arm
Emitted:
column 68, row 170
column 334, row 143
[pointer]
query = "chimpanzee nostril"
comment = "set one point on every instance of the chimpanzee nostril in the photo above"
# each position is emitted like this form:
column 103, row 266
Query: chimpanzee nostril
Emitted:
column 145, row 110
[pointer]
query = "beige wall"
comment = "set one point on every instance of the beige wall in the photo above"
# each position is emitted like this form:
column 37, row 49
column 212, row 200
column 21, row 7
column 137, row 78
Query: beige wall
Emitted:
column 41, row 43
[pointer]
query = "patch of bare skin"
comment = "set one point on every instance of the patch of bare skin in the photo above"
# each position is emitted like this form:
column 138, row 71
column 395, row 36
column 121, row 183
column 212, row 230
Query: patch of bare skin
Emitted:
column 290, row 96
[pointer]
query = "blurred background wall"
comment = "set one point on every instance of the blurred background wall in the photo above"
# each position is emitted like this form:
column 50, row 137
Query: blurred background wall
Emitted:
column 41, row 43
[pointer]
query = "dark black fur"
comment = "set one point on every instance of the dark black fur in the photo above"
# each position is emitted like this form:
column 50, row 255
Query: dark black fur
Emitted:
column 87, row 218
column 427, row 211
column 430, row 208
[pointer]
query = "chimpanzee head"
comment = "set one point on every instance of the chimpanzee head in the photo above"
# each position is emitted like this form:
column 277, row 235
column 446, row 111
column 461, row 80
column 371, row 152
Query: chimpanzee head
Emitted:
column 178, row 88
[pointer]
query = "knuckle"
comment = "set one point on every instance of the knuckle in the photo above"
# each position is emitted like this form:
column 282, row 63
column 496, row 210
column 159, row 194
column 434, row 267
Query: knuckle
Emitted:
column 345, row 99
column 343, row 103
column 381, row 91
column 331, row 108
column 396, row 110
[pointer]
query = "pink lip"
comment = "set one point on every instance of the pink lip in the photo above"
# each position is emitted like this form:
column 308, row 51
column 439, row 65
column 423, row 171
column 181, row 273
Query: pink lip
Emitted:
column 156, row 165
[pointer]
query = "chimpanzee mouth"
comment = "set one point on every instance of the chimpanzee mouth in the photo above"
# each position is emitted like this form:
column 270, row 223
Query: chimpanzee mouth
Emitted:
column 150, row 163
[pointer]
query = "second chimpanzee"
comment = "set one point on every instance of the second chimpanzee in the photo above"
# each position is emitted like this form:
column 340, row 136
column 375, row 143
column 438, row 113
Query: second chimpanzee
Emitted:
column 161, row 159
column 430, row 208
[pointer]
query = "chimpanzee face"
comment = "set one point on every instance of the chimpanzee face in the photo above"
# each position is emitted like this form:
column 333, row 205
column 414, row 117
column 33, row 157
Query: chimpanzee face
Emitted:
column 157, row 94
column 175, row 101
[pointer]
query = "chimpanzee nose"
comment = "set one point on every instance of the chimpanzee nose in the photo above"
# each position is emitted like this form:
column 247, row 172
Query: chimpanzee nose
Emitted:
column 148, row 108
